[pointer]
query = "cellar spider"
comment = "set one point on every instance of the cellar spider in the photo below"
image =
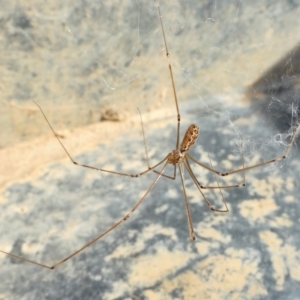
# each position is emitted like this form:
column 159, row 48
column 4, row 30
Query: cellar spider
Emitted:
column 179, row 157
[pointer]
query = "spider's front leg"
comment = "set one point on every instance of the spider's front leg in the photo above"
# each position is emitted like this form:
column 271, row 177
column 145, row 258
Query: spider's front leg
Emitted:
column 100, row 169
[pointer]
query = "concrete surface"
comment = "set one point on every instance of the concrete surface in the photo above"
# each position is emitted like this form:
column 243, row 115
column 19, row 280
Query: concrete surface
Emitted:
column 80, row 58
column 252, row 252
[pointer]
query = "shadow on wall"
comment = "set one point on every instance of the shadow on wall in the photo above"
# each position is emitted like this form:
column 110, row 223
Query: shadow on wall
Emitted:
column 276, row 93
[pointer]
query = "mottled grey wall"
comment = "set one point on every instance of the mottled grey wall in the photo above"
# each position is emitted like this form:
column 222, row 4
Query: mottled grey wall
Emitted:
column 77, row 58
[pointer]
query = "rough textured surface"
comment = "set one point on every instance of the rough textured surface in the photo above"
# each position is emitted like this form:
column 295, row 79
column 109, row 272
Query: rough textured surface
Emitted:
column 75, row 58
column 252, row 252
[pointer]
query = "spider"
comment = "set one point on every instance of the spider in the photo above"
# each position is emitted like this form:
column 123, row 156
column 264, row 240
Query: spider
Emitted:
column 180, row 157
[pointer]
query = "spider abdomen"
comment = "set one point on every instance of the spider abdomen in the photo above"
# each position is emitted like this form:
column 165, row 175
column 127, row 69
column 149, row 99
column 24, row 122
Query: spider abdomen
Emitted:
column 190, row 138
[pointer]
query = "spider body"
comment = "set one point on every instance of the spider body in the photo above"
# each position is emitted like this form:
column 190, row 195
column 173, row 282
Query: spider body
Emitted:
column 190, row 138
column 188, row 141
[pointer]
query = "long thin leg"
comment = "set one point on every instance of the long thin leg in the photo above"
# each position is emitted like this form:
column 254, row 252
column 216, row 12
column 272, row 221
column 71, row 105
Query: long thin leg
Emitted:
column 216, row 187
column 146, row 152
column 187, row 208
column 99, row 236
column 199, row 188
column 144, row 139
column 223, row 198
column 167, row 176
column 279, row 158
column 91, row 167
column 172, row 79
column 243, row 184
column 176, row 103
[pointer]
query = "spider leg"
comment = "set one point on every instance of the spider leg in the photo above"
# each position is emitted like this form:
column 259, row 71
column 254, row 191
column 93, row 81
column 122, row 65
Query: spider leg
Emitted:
column 173, row 88
column 146, row 152
column 243, row 184
column 279, row 158
column 91, row 167
column 102, row 234
column 172, row 78
column 199, row 188
column 204, row 166
column 167, row 176
column 187, row 207
column 144, row 139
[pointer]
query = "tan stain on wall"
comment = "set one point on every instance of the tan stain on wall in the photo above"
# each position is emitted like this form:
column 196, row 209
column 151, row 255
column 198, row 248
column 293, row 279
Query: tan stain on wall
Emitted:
column 285, row 258
column 218, row 277
column 147, row 234
column 257, row 210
